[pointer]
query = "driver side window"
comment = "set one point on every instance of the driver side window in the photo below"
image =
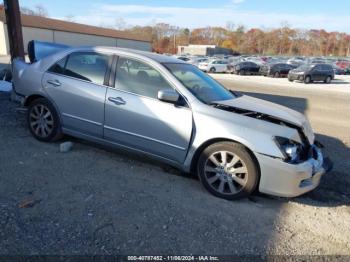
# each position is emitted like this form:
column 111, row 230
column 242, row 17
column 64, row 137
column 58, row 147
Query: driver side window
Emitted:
column 139, row 78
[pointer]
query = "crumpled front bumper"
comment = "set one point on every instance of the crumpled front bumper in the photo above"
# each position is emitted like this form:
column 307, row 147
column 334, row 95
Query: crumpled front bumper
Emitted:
column 290, row 180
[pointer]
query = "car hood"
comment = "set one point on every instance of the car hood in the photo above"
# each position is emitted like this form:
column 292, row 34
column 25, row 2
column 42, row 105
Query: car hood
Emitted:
column 272, row 110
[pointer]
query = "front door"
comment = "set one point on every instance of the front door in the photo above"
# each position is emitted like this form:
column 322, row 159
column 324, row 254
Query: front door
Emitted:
column 134, row 117
column 76, row 85
column 317, row 74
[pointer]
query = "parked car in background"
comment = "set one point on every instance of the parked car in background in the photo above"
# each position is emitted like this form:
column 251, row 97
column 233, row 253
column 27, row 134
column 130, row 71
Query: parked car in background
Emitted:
column 337, row 70
column 316, row 60
column 276, row 70
column 170, row 110
column 343, row 64
column 346, row 71
column 244, row 68
column 255, row 59
column 312, row 72
column 296, row 61
column 214, row 66
column 197, row 60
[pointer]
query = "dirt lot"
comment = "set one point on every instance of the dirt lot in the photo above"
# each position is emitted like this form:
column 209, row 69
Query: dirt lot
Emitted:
column 95, row 201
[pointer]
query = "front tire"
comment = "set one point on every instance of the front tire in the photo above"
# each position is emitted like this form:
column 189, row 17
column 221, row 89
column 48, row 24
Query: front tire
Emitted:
column 307, row 80
column 43, row 121
column 276, row 75
column 328, row 80
column 227, row 170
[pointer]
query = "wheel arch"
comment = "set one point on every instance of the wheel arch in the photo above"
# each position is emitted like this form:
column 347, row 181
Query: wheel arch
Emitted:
column 212, row 141
column 29, row 99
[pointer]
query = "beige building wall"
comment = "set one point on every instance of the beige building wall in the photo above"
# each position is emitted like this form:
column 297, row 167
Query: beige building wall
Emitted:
column 72, row 39
column 4, row 42
column 145, row 46
column 75, row 39
column 30, row 33
column 192, row 50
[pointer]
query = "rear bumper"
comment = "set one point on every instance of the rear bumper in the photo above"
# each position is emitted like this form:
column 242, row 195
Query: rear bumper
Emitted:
column 290, row 180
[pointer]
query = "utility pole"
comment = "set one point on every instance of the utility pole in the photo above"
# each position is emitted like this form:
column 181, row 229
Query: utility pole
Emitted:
column 14, row 28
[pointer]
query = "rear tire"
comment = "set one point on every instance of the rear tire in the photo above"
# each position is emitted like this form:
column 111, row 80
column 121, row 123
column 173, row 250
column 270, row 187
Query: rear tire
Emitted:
column 43, row 121
column 328, row 80
column 276, row 75
column 212, row 70
column 242, row 73
column 227, row 170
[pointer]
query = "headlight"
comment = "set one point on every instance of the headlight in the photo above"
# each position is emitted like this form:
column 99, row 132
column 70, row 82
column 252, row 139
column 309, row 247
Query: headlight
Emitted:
column 290, row 149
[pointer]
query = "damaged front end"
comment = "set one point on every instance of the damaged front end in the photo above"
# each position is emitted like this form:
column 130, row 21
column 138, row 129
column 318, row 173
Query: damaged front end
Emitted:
column 294, row 151
column 302, row 165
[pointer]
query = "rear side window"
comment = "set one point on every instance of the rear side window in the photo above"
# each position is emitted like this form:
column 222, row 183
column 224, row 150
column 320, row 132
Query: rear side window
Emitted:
column 58, row 68
column 139, row 78
column 86, row 66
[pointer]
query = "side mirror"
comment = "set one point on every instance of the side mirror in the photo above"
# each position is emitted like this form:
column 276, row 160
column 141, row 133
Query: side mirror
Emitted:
column 168, row 95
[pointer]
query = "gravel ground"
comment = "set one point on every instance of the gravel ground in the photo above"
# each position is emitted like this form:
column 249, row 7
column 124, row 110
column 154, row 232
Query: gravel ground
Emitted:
column 95, row 201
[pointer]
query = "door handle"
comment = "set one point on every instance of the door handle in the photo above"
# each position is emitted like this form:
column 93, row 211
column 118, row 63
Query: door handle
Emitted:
column 117, row 100
column 54, row 82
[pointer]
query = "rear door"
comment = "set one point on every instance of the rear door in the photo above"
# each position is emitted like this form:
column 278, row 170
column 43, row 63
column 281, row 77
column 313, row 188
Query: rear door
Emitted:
column 76, row 85
column 134, row 117
column 328, row 71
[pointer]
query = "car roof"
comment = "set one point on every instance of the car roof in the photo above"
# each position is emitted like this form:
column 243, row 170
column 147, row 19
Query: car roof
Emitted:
column 117, row 50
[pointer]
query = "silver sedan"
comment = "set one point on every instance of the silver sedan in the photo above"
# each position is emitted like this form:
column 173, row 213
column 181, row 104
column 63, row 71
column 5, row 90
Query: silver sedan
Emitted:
column 172, row 111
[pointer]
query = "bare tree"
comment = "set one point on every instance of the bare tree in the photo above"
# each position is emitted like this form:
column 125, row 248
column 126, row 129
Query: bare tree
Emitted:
column 230, row 26
column 70, row 18
column 27, row 11
column 41, row 10
column 120, row 23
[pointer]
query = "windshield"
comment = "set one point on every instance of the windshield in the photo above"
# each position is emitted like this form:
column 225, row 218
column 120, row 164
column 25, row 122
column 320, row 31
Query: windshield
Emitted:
column 199, row 83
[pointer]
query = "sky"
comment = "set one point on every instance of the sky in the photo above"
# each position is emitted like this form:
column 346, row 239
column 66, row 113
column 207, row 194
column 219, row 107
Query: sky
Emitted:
column 305, row 14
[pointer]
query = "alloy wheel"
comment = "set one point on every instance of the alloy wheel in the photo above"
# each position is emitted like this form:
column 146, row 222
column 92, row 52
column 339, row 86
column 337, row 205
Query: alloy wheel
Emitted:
column 226, row 172
column 307, row 80
column 41, row 120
